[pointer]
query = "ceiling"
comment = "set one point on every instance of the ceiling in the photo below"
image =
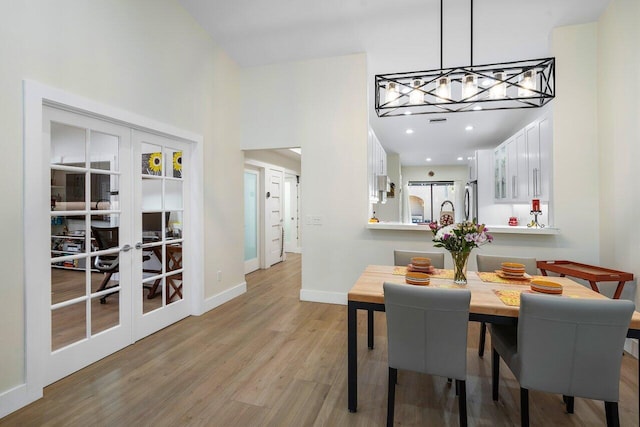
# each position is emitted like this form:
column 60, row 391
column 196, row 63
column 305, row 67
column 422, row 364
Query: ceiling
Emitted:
column 400, row 35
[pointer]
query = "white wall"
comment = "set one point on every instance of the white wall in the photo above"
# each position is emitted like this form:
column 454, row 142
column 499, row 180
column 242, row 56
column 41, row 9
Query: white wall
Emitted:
column 619, row 134
column 576, row 177
column 320, row 105
column 148, row 57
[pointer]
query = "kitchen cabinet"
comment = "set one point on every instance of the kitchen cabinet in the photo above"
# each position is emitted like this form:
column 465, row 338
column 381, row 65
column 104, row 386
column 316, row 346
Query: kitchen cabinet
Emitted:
column 539, row 146
column 377, row 166
column 500, row 172
column 522, row 164
column 473, row 167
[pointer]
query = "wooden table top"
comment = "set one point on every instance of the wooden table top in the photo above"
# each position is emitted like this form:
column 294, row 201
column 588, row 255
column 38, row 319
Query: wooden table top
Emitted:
column 368, row 288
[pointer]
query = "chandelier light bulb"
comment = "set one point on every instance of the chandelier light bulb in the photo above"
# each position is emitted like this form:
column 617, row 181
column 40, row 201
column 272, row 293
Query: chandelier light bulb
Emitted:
column 443, row 89
column 528, row 83
column 498, row 90
column 417, row 95
column 469, row 87
column 392, row 95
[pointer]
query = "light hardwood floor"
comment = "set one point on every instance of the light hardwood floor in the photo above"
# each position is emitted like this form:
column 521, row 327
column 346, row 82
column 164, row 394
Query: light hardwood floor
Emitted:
column 266, row 358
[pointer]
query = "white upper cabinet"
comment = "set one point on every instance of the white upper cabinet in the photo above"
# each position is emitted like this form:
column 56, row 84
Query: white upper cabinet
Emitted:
column 523, row 164
column 377, row 161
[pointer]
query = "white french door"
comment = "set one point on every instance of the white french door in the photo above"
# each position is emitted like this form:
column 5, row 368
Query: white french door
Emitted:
column 160, row 192
column 89, row 309
column 118, row 256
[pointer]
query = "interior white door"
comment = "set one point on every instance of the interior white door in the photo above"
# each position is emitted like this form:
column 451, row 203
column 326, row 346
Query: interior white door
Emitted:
column 251, row 221
column 291, row 236
column 89, row 309
column 274, row 212
column 161, row 286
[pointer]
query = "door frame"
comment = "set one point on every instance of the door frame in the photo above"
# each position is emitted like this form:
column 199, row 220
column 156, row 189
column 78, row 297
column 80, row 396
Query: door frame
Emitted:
column 262, row 168
column 36, row 208
column 295, row 177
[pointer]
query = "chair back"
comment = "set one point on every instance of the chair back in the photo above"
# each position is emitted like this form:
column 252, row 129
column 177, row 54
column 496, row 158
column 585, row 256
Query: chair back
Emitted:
column 427, row 329
column 572, row 346
column 492, row 263
column 106, row 237
column 404, row 257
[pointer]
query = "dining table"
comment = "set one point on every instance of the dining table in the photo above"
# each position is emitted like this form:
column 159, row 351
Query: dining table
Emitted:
column 494, row 299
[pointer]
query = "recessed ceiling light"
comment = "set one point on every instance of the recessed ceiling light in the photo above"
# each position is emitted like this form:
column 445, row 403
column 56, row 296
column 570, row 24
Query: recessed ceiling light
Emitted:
column 477, row 108
column 468, row 128
column 428, row 159
column 407, row 113
column 469, row 158
column 409, row 131
column 460, row 159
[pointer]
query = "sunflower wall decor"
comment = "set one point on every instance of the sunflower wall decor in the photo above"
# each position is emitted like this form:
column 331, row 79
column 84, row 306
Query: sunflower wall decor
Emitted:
column 152, row 164
column 177, row 164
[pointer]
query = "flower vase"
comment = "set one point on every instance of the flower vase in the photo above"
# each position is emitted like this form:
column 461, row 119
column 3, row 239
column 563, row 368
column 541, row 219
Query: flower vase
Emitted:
column 460, row 266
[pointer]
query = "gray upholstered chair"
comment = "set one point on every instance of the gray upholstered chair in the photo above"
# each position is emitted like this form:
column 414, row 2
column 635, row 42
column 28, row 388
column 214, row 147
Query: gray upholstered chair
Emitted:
column 567, row 346
column 404, row 257
column 427, row 332
column 492, row 263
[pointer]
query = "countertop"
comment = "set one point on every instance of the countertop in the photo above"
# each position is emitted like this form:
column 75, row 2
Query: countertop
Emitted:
column 493, row 229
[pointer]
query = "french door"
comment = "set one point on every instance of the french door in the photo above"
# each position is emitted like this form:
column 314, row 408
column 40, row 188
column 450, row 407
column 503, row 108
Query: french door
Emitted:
column 160, row 190
column 116, row 243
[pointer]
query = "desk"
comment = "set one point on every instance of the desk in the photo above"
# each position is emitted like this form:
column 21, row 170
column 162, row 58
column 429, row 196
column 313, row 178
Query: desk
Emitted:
column 485, row 306
column 591, row 273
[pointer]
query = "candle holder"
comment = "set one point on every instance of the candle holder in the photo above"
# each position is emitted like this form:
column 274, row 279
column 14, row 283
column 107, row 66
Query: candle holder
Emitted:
column 534, row 222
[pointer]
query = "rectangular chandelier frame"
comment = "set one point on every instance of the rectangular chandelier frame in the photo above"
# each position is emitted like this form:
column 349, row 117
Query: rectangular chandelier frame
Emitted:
column 498, row 86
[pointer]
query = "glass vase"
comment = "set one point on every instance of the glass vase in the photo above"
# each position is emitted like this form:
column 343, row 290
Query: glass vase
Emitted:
column 460, row 267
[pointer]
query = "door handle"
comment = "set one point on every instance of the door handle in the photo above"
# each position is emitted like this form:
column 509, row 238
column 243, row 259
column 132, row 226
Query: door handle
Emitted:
column 125, row 248
column 138, row 245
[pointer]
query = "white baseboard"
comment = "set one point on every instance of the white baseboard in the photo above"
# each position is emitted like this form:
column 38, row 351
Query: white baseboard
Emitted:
column 224, row 296
column 631, row 347
column 16, row 398
column 325, row 297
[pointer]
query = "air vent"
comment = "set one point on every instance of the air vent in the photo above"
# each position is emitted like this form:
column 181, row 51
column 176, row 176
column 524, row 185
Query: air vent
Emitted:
column 441, row 120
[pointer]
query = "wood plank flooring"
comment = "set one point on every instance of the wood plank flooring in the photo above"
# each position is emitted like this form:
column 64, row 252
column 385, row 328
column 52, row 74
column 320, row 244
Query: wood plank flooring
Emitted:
column 267, row 359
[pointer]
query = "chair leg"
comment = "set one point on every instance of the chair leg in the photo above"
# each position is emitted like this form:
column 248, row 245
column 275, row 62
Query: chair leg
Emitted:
column 103, row 286
column 457, row 388
column 568, row 400
column 391, row 396
column 524, row 407
column 495, row 372
column 370, row 328
column 462, row 402
column 483, row 336
column 611, row 411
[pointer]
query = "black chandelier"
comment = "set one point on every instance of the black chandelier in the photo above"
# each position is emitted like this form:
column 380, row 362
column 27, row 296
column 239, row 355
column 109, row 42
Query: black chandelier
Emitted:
column 508, row 85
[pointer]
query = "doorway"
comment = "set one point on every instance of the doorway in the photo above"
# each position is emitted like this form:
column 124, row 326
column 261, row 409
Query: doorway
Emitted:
column 276, row 175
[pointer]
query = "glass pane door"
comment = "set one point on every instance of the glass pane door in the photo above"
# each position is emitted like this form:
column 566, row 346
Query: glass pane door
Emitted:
column 89, row 318
column 159, row 263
